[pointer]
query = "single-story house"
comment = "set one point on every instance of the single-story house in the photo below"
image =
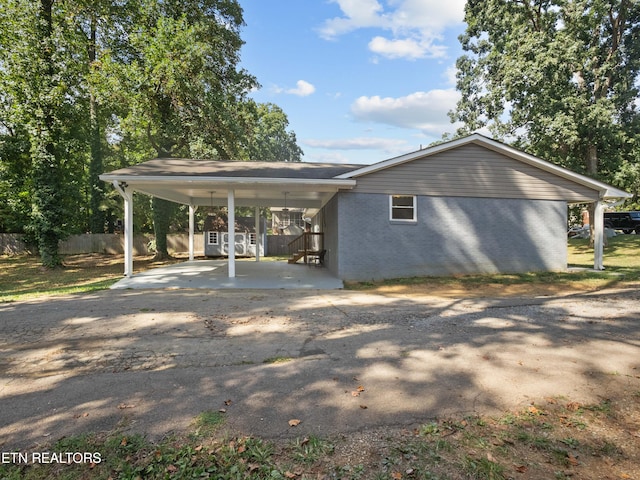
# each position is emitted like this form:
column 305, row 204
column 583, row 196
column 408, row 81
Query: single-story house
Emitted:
column 470, row 205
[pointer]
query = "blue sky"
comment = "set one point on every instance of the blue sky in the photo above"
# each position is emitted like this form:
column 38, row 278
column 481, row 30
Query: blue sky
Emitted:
column 360, row 80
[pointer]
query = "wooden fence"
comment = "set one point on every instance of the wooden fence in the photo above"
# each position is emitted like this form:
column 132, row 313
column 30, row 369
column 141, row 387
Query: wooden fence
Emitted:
column 13, row 244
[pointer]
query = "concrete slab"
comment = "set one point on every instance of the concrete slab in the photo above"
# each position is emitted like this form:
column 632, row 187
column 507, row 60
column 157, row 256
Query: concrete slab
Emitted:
column 214, row 274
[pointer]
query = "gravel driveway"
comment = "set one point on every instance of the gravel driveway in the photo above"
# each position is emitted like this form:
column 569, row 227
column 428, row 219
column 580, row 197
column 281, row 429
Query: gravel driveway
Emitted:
column 339, row 361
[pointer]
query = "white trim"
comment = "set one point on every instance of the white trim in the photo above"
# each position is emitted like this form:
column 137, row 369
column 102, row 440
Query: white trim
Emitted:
column 216, row 237
column 231, row 219
column 414, row 209
column 196, row 179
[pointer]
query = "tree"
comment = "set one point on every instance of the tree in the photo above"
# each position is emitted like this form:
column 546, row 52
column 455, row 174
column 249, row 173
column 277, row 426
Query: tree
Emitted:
column 268, row 138
column 40, row 87
column 557, row 76
column 181, row 84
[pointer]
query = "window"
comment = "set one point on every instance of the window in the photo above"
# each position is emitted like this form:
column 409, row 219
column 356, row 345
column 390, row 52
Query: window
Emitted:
column 212, row 238
column 402, row 208
column 291, row 218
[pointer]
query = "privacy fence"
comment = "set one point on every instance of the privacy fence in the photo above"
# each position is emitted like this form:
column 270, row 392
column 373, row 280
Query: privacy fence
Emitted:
column 107, row 243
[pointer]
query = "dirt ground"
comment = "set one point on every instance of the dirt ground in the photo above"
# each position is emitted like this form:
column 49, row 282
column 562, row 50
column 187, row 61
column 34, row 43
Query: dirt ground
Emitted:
column 366, row 368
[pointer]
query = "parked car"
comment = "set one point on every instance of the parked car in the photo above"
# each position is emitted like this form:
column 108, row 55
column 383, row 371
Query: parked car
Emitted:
column 628, row 222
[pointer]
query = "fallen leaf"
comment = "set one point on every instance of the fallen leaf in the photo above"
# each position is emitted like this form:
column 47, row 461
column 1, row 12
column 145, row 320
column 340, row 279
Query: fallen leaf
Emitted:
column 521, row 468
column 305, row 440
column 534, row 410
column 198, row 448
column 409, row 471
column 396, row 475
column 122, row 406
column 364, row 407
column 172, row 468
column 491, row 458
column 572, row 460
column 123, row 442
column 222, row 410
column 573, row 406
column 360, row 388
column 228, row 402
column 241, row 449
column 355, row 393
column 288, row 474
column 294, row 422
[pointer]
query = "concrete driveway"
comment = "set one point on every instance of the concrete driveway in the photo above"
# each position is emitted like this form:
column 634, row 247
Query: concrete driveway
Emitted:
column 149, row 361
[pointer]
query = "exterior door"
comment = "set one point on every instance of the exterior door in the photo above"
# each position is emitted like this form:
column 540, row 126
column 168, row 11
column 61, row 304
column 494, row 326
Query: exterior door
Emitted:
column 241, row 244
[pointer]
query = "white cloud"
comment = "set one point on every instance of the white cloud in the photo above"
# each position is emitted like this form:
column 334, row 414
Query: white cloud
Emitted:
column 423, row 111
column 450, row 75
column 408, row 48
column 359, row 143
column 415, row 25
column 302, row 89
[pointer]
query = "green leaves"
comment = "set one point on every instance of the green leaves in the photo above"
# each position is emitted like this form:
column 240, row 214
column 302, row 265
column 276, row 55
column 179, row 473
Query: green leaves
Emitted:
column 558, row 76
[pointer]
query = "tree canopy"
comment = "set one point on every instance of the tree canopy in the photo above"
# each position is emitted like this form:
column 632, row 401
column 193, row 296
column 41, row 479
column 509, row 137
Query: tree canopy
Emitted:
column 559, row 78
column 87, row 86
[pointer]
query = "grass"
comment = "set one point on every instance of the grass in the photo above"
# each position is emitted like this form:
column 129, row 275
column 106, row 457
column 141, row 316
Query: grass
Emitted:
column 23, row 277
column 622, row 267
column 538, row 442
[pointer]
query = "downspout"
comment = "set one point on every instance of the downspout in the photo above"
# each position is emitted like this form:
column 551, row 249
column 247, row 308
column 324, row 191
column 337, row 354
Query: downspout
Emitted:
column 127, row 195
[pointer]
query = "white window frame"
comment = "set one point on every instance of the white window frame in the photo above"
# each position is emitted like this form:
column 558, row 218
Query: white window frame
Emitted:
column 413, row 208
column 213, row 238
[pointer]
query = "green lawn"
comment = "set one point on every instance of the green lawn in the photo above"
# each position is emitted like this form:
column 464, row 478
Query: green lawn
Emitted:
column 23, row 277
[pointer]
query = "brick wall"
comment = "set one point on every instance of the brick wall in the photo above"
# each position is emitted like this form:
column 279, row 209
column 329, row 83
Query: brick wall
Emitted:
column 452, row 235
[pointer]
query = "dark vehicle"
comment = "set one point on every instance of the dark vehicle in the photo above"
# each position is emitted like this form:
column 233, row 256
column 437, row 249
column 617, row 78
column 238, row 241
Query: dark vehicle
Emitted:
column 626, row 221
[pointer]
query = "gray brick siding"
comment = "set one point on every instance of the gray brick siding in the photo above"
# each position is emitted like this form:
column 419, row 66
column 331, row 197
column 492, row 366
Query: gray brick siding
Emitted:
column 452, row 235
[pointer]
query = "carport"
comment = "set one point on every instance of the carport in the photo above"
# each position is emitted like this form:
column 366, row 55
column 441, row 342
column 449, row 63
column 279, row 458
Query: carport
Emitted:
column 225, row 183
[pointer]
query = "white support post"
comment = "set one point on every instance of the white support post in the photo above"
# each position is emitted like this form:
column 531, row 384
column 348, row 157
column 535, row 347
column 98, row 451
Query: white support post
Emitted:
column 258, row 233
column 598, row 236
column 127, row 195
column 192, row 224
column 231, row 206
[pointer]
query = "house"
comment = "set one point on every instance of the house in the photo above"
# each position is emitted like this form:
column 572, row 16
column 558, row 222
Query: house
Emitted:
column 471, row 205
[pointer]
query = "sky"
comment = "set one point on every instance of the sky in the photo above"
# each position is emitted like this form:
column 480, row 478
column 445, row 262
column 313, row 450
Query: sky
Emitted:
column 360, row 80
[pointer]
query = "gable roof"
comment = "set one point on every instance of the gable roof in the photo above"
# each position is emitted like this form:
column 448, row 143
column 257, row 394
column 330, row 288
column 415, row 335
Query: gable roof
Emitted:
column 605, row 191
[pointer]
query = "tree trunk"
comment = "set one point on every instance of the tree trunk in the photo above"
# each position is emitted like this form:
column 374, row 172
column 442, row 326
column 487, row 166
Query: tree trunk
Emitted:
column 162, row 210
column 47, row 216
column 96, row 186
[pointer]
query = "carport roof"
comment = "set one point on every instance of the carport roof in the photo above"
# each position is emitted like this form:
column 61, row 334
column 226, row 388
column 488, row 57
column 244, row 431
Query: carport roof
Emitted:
column 201, row 182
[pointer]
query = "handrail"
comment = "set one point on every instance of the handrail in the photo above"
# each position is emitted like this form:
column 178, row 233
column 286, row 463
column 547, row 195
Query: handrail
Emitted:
column 308, row 242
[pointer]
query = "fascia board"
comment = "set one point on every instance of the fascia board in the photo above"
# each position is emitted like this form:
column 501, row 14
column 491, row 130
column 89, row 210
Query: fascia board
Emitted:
column 187, row 179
